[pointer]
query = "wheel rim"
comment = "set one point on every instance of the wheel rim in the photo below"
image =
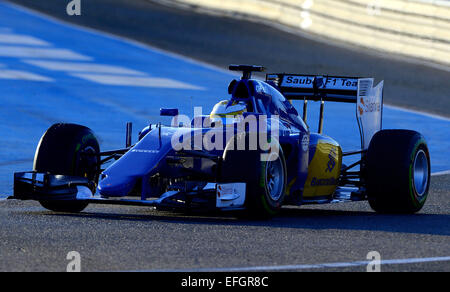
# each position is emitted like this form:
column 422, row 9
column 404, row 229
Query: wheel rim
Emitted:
column 420, row 173
column 274, row 179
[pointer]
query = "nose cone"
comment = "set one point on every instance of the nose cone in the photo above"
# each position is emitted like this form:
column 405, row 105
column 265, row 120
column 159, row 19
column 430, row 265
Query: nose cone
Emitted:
column 115, row 186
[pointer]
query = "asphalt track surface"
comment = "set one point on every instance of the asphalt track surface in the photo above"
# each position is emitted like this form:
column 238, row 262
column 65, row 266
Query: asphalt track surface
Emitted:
column 130, row 238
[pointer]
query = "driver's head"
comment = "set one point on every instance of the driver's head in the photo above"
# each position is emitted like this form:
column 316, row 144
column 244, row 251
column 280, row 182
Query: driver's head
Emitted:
column 226, row 108
column 227, row 112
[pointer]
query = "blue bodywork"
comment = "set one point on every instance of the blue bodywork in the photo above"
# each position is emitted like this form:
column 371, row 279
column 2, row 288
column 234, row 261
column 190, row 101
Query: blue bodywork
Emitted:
column 160, row 173
column 147, row 158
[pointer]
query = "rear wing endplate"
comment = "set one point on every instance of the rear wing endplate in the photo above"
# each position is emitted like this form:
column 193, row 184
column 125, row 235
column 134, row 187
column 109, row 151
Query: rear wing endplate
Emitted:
column 368, row 99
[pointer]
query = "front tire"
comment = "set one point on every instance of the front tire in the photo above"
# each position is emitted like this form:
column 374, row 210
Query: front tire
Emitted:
column 266, row 181
column 60, row 152
column 398, row 171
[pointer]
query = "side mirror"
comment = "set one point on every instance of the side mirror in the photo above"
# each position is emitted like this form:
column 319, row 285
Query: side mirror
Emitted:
column 168, row 112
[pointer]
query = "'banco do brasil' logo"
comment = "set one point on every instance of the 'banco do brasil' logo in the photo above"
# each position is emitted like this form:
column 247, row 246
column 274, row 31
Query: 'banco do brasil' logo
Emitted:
column 332, row 162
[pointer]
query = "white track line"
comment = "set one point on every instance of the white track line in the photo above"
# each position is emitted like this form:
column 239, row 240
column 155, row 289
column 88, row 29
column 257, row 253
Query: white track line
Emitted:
column 309, row 267
column 17, row 39
column 425, row 114
column 22, row 75
column 441, row 173
column 43, row 53
column 83, row 67
column 136, row 81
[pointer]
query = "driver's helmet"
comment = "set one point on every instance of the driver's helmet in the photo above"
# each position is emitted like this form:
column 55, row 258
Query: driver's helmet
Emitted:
column 224, row 111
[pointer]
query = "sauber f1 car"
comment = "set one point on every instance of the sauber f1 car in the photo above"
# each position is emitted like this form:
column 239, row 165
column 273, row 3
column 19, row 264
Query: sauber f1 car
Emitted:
column 264, row 156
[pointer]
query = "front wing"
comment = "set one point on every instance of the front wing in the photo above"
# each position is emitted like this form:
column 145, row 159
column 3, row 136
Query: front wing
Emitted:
column 50, row 187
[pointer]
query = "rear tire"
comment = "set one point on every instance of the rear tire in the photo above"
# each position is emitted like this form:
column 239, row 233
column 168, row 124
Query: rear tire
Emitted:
column 59, row 152
column 398, row 171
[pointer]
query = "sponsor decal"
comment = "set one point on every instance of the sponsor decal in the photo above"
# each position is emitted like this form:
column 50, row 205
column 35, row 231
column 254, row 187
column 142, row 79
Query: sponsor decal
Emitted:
column 368, row 106
column 329, row 82
column 145, row 151
column 298, row 80
column 317, row 182
column 332, row 162
column 343, row 83
column 305, row 142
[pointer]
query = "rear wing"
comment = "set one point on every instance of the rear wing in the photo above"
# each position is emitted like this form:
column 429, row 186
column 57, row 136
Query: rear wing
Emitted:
column 368, row 99
column 311, row 87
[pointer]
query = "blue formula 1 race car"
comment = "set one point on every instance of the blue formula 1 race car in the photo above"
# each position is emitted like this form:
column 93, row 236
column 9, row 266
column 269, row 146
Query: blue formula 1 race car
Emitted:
column 254, row 152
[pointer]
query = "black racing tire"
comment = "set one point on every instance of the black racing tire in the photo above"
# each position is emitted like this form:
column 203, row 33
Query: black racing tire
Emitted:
column 398, row 171
column 265, row 189
column 59, row 152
